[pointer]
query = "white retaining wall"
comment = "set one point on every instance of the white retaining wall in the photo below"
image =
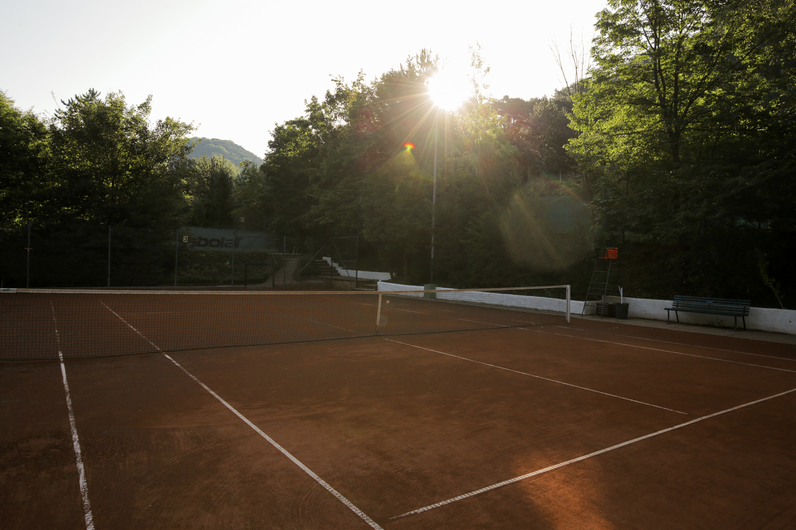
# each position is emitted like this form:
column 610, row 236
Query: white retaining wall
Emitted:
column 362, row 275
column 761, row 319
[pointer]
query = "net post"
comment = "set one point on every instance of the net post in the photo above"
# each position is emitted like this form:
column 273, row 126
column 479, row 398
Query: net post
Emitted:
column 378, row 314
column 569, row 287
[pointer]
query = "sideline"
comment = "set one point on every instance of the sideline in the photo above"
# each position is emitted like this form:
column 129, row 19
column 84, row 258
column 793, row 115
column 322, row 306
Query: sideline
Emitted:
column 81, row 470
column 650, row 348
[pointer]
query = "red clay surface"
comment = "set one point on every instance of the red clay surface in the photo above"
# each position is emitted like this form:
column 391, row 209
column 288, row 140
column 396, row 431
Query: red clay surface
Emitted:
column 613, row 427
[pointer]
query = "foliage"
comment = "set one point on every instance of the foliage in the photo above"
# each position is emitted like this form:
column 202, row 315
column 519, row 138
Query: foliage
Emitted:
column 109, row 166
column 97, row 165
column 210, row 191
column 210, row 147
column 376, row 159
column 679, row 149
column 23, row 157
column 686, row 128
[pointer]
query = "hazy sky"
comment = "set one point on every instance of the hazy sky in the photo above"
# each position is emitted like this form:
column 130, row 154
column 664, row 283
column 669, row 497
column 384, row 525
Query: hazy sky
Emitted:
column 237, row 68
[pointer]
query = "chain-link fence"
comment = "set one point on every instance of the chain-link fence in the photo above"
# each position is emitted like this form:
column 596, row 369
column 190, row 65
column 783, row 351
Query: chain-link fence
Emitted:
column 92, row 255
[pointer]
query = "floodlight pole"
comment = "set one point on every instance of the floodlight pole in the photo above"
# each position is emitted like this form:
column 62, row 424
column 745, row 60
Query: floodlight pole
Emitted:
column 434, row 196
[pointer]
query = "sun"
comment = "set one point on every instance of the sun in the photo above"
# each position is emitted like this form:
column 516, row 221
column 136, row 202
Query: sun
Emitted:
column 448, row 89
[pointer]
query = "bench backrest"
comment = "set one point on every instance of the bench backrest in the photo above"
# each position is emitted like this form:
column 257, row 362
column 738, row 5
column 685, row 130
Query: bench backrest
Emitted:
column 715, row 304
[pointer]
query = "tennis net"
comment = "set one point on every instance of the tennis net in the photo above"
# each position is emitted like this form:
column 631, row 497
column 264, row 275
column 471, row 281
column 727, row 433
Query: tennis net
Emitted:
column 45, row 324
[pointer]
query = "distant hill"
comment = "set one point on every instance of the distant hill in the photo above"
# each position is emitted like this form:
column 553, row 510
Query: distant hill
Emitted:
column 228, row 149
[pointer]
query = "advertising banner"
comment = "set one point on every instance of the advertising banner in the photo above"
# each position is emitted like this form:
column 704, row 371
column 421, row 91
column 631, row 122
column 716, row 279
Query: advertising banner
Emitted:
column 227, row 239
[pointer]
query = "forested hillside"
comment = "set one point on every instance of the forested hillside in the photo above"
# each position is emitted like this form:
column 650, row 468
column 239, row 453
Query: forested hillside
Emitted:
column 210, row 147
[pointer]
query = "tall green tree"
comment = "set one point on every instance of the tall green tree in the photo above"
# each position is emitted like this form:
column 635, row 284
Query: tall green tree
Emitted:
column 111, row 165
column 23, row 164
column 685, row 129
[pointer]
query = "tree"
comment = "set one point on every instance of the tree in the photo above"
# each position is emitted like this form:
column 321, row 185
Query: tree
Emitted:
column 210, row 191
column 112, row 166
column 687, row 126
column 23, row 160
column 539, row 128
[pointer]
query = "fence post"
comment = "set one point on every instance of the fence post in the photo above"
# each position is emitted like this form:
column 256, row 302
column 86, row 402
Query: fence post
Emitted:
column 356, row 260
column 234, row 244
column 569, row 298
column 27, row 269
column 176, row 253
column 109, row 255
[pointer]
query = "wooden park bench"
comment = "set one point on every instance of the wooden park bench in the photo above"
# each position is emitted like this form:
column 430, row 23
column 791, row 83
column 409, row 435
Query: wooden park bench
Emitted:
column 710, row 306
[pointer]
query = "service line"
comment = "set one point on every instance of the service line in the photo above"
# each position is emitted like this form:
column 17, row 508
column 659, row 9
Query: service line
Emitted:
column 587, row 456
column 536, row 376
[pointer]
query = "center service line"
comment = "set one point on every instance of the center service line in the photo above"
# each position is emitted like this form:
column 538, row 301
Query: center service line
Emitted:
column 259, row 431
column 538, row 377
column 587, row 456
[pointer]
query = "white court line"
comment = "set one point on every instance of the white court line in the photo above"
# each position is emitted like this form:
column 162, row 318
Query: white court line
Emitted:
column 538, row 377
column 664, row 351
column 256, row 429
column 88, row 515
column 587, row 456
column 712, row 348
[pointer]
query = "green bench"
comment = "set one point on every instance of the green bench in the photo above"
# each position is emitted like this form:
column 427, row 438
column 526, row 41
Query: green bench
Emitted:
column 710, row 306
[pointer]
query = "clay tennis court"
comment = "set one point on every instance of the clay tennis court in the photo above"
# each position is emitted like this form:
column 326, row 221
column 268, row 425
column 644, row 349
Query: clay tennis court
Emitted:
column 592, row 424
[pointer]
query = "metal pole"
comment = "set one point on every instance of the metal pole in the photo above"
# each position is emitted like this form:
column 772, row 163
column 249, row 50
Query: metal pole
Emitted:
column 109, row 255
column 568, row 301
column 356, row 261
column 234, row 241
column 176, row 253
column 27, row 270
column 434, row 199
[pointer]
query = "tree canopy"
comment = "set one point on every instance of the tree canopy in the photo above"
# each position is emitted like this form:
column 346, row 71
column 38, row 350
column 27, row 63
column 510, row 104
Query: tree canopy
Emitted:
column 677, row 144
column 363, row 160
column 687, row 125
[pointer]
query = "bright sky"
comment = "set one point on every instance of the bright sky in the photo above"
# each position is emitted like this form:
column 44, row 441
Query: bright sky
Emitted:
column 237, row 68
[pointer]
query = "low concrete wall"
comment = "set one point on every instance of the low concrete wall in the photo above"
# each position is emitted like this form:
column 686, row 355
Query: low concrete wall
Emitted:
column 344, row 283
column 362, row 275
column 761, row 319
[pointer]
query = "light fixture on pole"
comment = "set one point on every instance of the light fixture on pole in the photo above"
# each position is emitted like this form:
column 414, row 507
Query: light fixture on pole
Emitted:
column 447, row 92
